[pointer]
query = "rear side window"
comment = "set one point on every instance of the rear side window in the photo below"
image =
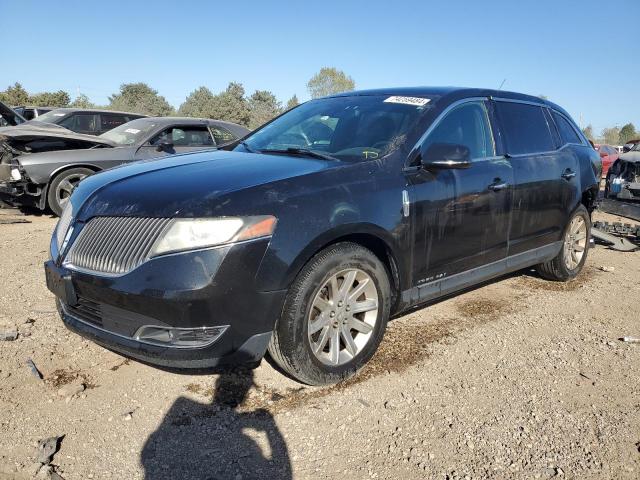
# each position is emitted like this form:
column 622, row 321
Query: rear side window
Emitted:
column 109, row 121
column 187, row 136
column 567, row 132
column 222, row 135
column 525, row 128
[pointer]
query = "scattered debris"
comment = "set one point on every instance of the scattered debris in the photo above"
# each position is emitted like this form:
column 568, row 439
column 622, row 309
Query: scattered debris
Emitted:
column 47, row 448
column 8, row 221
column 9, row 335
column 34, row 369
column 631, row 339
column 612, row 241
column 607, row 269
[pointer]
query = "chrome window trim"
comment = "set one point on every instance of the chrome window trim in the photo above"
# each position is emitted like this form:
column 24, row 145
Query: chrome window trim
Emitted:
column 439, row 119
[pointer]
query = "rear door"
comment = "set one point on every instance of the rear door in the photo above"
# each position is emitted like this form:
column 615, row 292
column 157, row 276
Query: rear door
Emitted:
column 461, row 217
column 179, row 139
column 545, row 174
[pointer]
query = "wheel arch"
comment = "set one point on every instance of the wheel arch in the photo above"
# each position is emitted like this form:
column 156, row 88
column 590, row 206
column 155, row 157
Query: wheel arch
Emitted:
column 374, row 238
column 43, row 201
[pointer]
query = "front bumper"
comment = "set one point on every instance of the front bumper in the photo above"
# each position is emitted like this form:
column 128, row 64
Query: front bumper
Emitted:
column 22, row 193
column 205, row 288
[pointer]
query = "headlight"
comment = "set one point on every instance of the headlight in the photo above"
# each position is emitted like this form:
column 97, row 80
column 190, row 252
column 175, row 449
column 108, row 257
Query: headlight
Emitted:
column 15, row 174
column 193, row 233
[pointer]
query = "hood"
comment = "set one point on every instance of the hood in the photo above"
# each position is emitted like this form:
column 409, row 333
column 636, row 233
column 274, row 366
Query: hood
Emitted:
column 633, row 157
column 10, row 115
column 189, row 185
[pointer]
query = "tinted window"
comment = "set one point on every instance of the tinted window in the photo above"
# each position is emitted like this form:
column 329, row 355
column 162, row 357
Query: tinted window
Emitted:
column 466, row 125
column 191, row 136
column 81, row 122
column 525, row 128
column 110, row 120
column 221, row 135
column 567, row 133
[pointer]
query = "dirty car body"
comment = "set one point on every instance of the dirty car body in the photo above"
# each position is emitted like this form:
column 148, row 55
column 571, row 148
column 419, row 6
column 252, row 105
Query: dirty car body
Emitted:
column 36, row 157
column 425, row 206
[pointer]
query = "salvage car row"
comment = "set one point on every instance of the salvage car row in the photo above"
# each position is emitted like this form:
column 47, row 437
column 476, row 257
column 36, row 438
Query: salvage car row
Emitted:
column 41, row 162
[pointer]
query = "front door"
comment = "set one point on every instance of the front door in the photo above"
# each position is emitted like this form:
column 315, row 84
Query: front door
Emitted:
column 461, row 217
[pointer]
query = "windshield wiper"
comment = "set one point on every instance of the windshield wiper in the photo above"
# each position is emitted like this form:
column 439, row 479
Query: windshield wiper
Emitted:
column 301, row 152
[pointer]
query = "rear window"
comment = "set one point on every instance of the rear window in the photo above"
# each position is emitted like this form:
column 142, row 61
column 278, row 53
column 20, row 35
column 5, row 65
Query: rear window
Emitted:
column 567, row 132
column 525, row 128
column 110, row 120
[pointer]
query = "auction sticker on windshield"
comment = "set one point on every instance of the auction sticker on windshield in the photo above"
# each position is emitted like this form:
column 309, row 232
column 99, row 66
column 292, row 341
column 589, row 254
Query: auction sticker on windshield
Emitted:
column 416, row 101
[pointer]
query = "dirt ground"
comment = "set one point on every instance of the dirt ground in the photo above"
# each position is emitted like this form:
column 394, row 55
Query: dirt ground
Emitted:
column 520, row 378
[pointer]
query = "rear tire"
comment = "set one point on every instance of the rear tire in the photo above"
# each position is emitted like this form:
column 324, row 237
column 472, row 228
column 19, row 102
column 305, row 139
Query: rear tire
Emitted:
column 334, row 317
column 569, row 262
column 62, row 185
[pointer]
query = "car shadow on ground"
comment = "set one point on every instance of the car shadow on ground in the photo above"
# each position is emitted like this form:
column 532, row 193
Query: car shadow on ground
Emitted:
column 219, row 440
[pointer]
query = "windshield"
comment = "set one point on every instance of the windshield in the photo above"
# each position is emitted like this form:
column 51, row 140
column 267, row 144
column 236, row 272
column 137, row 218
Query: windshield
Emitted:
column 130, row 133
column 347, row 128
column 54, row 116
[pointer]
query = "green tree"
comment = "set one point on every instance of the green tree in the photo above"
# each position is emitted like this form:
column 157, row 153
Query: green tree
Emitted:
column 15, row 95
column 588, row 132
column 543, row 97
column 328, row 81
column 264, row 106
column 82, row 101
column 50, row 99
column 140, row 98
column 292, row 102
column 611, row 135
column 198, row 104
column 231, row 105
column 627, row 132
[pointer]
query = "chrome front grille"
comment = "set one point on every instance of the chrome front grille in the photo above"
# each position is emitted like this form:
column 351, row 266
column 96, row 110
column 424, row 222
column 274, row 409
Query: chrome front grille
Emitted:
column 114, row 245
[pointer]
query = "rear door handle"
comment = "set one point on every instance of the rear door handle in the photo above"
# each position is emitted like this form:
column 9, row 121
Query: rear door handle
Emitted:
column 568, row 174
column 498, row 185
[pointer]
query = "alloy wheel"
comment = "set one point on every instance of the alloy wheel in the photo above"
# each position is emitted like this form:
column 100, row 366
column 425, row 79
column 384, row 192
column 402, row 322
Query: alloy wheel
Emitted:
column 343, row 315
column 575, row 242
column 66, row 186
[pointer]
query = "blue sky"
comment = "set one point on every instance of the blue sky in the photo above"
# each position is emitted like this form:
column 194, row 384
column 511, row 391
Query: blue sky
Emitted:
column 575, row 52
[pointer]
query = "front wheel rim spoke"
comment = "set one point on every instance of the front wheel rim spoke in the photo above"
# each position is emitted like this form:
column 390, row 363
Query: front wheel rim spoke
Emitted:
column 360, row 326
column 322, row 341
column 334, row 346
column 318, row 324
column 356, row 292
column 349, row 278
column 350, row 345
column 364, row 306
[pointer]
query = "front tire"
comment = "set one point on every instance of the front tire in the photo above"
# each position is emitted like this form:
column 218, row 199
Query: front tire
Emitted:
column 61, row 187
column 334, row 317
column 569, row 262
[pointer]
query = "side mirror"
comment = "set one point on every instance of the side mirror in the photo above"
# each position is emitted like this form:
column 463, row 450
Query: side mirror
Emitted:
column 164, row 146
column 446, row 155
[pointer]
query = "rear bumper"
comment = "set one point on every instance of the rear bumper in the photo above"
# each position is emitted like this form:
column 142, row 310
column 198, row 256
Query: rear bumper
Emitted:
column 207, row 288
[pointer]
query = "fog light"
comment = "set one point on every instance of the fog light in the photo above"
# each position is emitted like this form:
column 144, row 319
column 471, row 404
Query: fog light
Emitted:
column 179, row 337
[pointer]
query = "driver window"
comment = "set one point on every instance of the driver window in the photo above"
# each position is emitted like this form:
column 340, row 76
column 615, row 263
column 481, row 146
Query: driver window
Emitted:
column 184, row 137
column 468, row 125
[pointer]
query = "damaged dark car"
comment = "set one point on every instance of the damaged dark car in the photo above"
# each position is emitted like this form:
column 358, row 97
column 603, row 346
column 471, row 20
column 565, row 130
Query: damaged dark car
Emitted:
column 311, row 232
column 41, row 167
column 623, row 178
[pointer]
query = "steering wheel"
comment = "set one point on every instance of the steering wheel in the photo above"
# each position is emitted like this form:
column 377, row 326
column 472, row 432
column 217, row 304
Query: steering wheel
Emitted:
column 297, row 139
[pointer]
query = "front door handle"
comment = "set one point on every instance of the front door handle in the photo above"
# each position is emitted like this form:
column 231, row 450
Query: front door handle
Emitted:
column 498, row 185
column 568, row 174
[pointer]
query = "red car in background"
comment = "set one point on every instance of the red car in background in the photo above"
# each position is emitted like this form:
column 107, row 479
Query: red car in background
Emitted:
column 608, row 154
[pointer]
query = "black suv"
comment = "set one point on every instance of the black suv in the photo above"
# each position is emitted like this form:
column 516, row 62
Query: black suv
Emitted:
column 87, row 121
column 306, row 236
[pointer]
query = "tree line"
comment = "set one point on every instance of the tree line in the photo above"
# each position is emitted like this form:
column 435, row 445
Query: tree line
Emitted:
column 232, row 104
column 613, row 135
